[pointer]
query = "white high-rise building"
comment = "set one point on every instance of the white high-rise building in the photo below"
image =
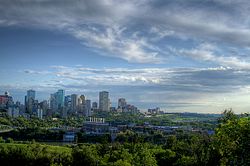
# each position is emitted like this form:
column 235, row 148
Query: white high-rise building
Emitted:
column 104, row 101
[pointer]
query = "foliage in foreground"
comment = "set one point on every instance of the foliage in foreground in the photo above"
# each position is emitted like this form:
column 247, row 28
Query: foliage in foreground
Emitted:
column 229, row 146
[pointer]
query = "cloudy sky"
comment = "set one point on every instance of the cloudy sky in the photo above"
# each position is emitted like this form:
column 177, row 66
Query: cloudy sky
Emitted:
column 180, row 55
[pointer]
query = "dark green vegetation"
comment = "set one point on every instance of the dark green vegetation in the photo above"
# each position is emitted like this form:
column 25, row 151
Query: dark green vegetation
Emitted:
column 230, row 145
column 23, row 129
column 22, row 122
column 52, row 130
column 204, row 121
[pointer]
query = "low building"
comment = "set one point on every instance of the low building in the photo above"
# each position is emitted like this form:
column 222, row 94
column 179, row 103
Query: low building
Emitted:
column 154, row 110
column 6, row 100
column 69, row 137
column 96, row 126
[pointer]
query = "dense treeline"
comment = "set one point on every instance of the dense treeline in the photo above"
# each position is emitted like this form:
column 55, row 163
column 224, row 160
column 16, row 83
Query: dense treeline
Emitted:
column 229, row 146
column 174, row 119
column 34, row 154
column 41, row 130
column 203, row 121
column 35, row 122
column 52, row 130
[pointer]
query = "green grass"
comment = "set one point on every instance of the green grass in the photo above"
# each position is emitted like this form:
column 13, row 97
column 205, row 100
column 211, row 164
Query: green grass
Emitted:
column 50, row 148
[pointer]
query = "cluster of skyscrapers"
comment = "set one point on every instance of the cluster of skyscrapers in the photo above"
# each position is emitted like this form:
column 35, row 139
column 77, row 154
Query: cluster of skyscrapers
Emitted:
column 61, row 105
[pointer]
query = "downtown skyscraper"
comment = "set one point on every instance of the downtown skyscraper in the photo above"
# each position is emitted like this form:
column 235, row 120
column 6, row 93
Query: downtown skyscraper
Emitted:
column 30, row 100
column 104, row 102
column 74, row 103
column 57, row 100
column 60, row 97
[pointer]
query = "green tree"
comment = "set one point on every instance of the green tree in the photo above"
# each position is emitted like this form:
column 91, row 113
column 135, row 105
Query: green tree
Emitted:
column 143, row 155
column 165, row 157
column 232, row 140
column 9, row 140
column 1, row 140
column 227, row 115
column 121, row 163
column 185, row 161
column 85, row 155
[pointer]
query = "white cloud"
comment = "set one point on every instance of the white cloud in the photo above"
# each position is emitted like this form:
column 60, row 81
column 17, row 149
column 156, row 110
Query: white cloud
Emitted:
column 118, row 45
column 210, row 80
column 207, row 52
column 169, row 88
column 112, row 76
column 138, row 32
column 112, row 27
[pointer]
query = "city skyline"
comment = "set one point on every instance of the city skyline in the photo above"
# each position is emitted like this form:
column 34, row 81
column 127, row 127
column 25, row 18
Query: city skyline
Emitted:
column 60, row 101
column 181, row 56
column 64, row 106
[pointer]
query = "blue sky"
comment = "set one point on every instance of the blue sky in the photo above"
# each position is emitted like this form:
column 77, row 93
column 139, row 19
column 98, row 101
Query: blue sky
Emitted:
column 179, row 55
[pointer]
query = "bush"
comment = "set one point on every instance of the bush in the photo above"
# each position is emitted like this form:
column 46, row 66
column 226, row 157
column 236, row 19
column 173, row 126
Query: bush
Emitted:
column 9, row 140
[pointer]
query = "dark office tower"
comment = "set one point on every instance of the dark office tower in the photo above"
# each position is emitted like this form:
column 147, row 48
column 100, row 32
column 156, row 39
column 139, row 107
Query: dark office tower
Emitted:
column 53, row 102
column 30, row 100
column 94, row 105
column 122, row 103
column 88, row 108
column 67, row 101
column 74, row 103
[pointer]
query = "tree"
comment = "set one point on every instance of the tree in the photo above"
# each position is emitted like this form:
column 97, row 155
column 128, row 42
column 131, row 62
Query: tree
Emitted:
column 9, row 140
column 85, row 155
column 232, row 140
column 1, row 140
column 143, row 156
column 185, row 161
column 121, row 163
column 165, row 157
column 227, row 115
